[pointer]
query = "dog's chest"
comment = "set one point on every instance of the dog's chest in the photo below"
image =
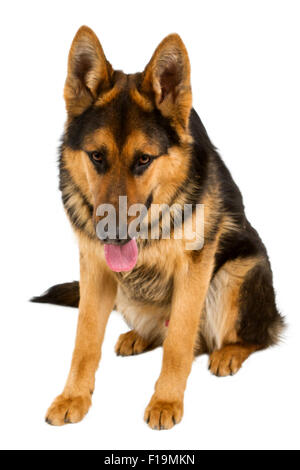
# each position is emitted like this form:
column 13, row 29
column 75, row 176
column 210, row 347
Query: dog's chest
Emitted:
column 146, row 284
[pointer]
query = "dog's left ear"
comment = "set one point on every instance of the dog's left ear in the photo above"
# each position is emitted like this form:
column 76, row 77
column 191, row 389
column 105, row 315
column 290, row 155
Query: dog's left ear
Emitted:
column 167, row 78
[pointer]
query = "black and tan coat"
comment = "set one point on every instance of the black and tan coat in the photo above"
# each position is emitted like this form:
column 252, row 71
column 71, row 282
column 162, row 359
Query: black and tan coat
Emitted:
column 218, row 299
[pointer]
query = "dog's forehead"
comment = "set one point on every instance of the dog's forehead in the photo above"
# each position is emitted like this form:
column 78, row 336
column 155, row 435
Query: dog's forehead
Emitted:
column 119, row 112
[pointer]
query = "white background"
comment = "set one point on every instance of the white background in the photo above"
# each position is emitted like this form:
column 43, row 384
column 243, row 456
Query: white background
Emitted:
column 245, row 59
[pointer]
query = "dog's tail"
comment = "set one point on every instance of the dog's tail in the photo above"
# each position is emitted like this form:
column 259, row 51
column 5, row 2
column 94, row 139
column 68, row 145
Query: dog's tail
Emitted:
column 62, row 294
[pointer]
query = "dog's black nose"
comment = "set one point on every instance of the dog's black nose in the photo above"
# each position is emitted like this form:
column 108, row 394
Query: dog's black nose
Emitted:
column 116, row 239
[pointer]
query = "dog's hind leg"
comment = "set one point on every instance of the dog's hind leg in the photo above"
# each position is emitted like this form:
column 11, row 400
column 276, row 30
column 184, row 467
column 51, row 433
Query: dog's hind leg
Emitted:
column 241, row 315
column 132, row 343
column 147, row 323
column 229, row 359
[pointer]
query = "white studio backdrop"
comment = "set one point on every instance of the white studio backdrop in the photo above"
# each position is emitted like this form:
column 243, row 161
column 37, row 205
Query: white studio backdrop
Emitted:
column 245, row 77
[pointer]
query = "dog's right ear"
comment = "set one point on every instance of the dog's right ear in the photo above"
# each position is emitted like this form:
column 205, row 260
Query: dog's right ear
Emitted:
column 88, row 72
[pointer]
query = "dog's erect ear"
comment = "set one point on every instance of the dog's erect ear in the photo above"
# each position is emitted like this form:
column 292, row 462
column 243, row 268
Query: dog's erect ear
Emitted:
column 168, row 76
column 88, row 71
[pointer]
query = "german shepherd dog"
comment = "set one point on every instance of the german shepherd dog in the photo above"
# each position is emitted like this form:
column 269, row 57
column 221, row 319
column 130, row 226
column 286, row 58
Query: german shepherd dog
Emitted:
column 138, row 136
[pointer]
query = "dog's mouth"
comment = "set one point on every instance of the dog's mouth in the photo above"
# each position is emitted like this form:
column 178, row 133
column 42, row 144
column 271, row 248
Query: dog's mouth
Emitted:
column 121, row 257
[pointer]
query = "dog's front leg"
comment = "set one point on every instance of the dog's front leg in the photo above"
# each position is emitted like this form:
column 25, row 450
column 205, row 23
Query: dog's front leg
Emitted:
column 97, row 297
column 190, row 288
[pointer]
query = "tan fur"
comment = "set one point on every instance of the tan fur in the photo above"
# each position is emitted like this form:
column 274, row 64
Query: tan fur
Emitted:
column 141, row 100
column 191, row 281
column 222, row 304
column 85, row 46
column 149, row 321
column 229, row 359
column 177, row 105
column 107, row 97
column 171, row 297
column 94, row 309
column 131, row 343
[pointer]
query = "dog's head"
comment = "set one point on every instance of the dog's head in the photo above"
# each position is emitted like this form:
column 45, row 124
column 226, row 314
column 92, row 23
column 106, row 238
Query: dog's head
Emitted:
column 127, row 135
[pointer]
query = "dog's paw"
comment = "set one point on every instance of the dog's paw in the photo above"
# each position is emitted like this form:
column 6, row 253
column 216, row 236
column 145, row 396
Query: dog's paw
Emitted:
column 162, row 414
column 226, row 361
column 130, row 343
column 66, row 410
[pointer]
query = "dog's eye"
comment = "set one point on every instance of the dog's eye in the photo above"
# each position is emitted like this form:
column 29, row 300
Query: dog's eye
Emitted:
column 97, row 156
column 144, row 159
column 141, row 163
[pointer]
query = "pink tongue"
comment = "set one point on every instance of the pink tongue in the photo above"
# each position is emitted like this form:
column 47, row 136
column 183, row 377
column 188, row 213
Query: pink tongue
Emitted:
column 121, row 258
